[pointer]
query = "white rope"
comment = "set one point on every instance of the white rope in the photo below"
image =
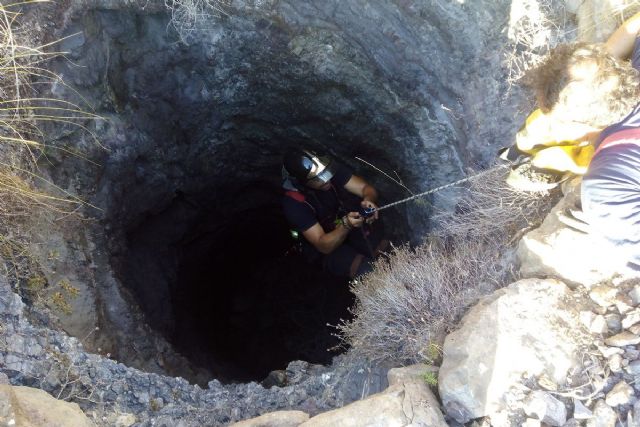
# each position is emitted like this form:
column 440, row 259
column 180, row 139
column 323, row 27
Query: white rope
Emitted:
column 442, row 187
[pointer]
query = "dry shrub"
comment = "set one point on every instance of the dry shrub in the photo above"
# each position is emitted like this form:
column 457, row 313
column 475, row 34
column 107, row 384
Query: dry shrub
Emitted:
column 534, row 27
column 415, row 296
column 189, row 17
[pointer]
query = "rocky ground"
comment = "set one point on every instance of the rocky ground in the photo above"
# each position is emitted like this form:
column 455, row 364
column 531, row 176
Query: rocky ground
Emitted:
column 561, row 351
column 40, row 357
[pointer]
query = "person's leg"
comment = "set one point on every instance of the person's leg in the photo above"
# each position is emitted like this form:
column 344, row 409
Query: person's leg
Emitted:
column 346, row 261
column 369, row 240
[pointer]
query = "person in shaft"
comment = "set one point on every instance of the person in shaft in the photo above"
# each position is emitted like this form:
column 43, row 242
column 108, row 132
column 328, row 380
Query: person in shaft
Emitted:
column 322, row 202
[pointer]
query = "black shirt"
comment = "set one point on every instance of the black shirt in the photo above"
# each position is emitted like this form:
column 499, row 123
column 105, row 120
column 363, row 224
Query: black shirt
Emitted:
column 318, row 205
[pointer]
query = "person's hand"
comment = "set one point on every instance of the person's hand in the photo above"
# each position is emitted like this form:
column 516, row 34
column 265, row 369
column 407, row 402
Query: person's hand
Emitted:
column 354, row 219
column 370, row 205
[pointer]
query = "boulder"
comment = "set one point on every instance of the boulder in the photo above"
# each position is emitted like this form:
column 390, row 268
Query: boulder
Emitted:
column 557, row 250
column 32, row 407
column 525, row 328
column 275, row 419
column 407, row 401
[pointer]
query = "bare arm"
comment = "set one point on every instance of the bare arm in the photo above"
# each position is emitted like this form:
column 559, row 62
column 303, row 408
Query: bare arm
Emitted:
column 620, row 44
column 328, row 242
column 360, row 188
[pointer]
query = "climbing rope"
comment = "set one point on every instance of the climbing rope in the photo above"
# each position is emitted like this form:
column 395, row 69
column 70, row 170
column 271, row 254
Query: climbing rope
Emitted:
column 442, row 187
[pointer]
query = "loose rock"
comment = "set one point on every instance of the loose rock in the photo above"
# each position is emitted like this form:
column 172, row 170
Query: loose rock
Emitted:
column 604, row 296
column 620, row 394
column 581, row 412
column 631, row 318
column 609, row 351
column 603, row 416
column 125, row 420
column 633, row 417
column 633, row 368
column 546, row 408
column 623, row 339
column 407, row 401
column 613, row 322
column 615, row 363
column 624, row 304
column 634, row 294
column 595, row 323
column 631, row 354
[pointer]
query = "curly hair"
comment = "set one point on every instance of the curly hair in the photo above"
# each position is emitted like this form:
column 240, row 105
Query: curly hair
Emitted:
column 583, row 83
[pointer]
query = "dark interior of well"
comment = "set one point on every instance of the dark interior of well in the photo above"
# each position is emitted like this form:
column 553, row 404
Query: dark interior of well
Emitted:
column 192, row 192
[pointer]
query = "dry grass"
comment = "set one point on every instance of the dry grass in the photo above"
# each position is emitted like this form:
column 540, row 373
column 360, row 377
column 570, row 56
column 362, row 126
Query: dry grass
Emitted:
column 23, row 75
column 189, row 17
column 536, row 26
column 27, row 197
column 414, row 296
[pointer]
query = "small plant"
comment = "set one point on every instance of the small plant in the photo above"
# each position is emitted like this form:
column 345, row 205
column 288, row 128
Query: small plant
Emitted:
column 36, row 284
column 53, row 255
column 61, row 299
column 60, row 302
column 188, row 17
column 22, row 109
column 433, row 353
column 431, row 378
column 68, row 288
column 154, row 405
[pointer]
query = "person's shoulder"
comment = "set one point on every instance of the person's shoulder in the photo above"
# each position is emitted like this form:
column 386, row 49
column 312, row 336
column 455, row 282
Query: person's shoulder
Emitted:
column 299, row 213
column 341, row 175
column 295, row 202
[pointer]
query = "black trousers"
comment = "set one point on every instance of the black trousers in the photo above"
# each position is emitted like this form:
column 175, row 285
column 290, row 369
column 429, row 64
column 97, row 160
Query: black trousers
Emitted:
column 360, row 242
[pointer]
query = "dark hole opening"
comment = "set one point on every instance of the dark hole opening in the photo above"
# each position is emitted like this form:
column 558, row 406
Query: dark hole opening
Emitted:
column 242, row 304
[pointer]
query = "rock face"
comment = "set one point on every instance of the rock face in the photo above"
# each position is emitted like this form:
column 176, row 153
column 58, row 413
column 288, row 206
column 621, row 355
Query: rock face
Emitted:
column 524, row 328
column 557, row 250
column 407, row 401
column 194, row 133
column 276, row 419
column 31, row 407
column 40, row 357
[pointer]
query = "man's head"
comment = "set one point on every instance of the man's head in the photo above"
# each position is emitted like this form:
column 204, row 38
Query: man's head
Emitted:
column 583, row 84
column 308, row 168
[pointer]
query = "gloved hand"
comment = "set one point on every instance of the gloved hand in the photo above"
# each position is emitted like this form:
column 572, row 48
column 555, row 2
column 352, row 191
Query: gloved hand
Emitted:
column 370, row 205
